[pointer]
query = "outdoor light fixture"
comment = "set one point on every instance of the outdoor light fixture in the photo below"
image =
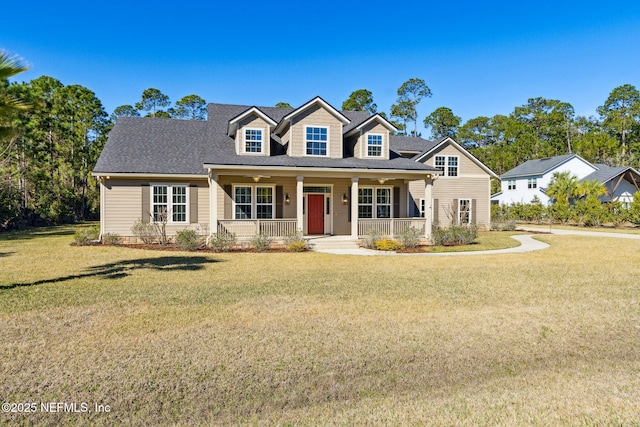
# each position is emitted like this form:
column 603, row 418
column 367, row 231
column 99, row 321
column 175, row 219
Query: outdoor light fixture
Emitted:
column 382, row 180
column 256, row 178
column 345, row 199
column 287, row 199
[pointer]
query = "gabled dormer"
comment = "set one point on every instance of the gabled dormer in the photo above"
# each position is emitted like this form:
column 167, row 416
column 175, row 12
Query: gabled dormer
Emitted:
column 370, row 139
column 251, row 131
column 313, row 130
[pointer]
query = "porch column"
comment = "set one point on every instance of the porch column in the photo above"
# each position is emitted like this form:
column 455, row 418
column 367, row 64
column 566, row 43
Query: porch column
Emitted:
column 428, row 207
column 354, row 207
column 299, row 202
column 213, row 203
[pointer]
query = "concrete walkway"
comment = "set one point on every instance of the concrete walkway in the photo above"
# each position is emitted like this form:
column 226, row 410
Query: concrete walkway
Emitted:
column 552, row 230
column 527, row 244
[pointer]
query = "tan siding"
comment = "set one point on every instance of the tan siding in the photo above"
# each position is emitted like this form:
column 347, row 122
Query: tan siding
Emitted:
column 255, row 122
column 361, row 146
column 316, row 116
column 463, row 188
column 466, row 166
column 341, row 224
column 123, row 205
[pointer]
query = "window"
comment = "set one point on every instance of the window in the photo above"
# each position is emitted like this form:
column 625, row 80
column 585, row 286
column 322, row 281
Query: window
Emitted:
column 511, row 184
column 374, row 202
column 316, row 141
column 447, row 165
column 532, row 183
column 365, row 202
column 253, row 140
column 242, row 199
column 452, row 169
column 176, row 210
column 421, row 208
column 253, row 202
column 264, row 202
column 440, row 162
column 374, row 145
column 383, row 203
column 464, row 211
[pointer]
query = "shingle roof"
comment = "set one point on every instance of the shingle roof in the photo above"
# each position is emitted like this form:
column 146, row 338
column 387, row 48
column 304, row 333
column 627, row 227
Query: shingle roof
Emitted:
column 409, row 143
column 168, row 146
column 537, row 166
column 606, row 173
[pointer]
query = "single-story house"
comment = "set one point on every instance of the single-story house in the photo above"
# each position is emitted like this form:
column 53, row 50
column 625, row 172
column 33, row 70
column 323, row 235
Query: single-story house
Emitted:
column 531, row 179
column 250, row 170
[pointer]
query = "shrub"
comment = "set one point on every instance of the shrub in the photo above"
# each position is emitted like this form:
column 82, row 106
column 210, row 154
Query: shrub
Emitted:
column 454, row 235
column 411, row 237
column 188, row 240
column 297, row 246
column 222, row 242
column 507, row 225
column 590, row 212
column 634, row 209
column 388, row 244
column 145, row 231
column 85, row 235
column 296, row 237
column 261, row 242
column 111, row 239
column 372, row 237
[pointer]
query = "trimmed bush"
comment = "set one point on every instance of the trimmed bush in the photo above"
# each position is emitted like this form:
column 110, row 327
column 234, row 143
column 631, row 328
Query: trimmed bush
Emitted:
column 188, row 240
column 261, row 242
column 86, row 235
column 388, row 245
column 411, row 237
column 111, row 239
column 145, row 231
column 372, row 237
column 222, row 242
column 455, row 235
column 297, row 246
column 503, row 225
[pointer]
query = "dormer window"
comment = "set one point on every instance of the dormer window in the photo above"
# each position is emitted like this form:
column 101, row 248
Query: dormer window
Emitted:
column 316, row 140
column 374, row 145
column 253, row 141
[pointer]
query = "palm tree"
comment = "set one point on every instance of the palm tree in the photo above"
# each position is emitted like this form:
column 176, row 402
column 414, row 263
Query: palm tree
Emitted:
column 591, row 189
column 563, row 186
column 9, row 105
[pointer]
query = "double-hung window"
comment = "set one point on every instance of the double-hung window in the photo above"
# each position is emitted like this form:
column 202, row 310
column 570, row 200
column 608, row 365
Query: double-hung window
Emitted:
column 374, row 202
column 447, row 165
column 169, row 203
column 253, row 202
column 374, row 145
column 316, row 140
column 464, row 211
column 532, row 183
column 511, row 184
column 253, row 141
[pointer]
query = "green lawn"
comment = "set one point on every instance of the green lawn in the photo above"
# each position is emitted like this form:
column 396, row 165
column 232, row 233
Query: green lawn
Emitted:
column 543, row 338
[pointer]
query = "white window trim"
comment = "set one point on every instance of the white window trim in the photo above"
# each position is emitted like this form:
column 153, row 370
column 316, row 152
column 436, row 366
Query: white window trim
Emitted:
column 366, row 145
column 374, row 202
column 244, row 141
column 170, row 202
column 469, row 202
column 254, row 200
column 304, row 137
column 532, row 183
column 421, row 207
column 509, row 186
column 445, row 173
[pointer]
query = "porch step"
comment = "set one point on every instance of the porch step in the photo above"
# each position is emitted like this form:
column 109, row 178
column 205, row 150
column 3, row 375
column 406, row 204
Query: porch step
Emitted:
column 329, row 243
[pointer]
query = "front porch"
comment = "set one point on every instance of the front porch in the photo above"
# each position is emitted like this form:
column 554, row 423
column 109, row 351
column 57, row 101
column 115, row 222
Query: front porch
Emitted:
column 245, row 229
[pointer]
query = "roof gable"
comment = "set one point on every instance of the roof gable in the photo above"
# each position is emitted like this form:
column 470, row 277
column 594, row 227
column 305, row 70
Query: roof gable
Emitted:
column 375, row 118
column 315, row 101
column 448, row 140
column 234, row 122
column 606, row 173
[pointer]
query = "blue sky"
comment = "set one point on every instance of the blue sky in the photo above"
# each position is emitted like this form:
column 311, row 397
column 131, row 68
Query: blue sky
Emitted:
column 478, row 58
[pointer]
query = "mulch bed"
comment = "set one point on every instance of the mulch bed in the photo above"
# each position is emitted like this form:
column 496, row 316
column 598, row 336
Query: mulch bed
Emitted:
column 173, row 248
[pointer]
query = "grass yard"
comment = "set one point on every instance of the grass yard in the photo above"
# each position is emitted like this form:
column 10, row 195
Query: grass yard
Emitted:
column 544, row 338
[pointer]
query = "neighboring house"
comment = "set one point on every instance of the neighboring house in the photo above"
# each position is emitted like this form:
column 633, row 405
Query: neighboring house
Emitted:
column 250, row 170
column 531, row 179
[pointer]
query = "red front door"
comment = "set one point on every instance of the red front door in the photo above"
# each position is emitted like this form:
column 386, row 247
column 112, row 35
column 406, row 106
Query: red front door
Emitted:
column 315, row 214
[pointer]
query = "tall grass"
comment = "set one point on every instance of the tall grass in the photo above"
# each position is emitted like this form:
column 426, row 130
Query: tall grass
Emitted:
column 164, row 338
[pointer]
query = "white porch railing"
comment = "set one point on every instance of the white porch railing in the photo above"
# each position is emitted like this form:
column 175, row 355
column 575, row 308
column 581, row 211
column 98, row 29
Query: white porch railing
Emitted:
column 389, row 226
column 248, row 228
